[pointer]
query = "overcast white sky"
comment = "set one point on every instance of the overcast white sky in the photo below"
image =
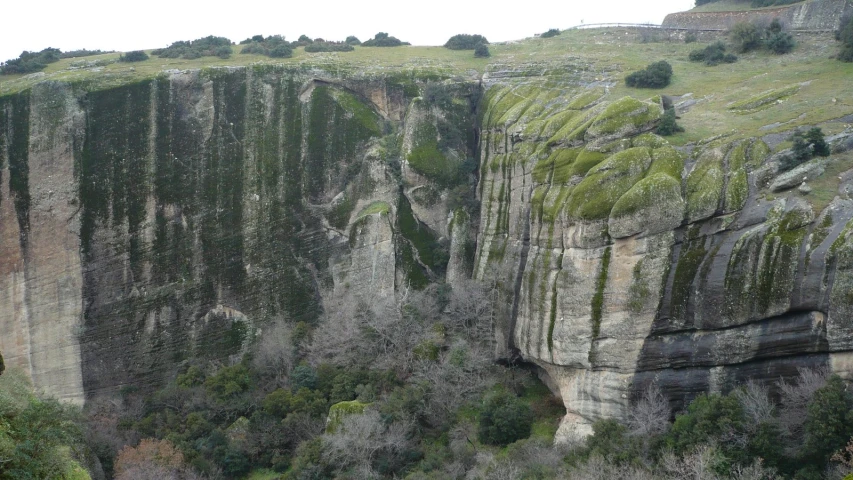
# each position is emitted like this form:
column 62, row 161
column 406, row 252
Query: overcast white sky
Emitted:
column 124, row 26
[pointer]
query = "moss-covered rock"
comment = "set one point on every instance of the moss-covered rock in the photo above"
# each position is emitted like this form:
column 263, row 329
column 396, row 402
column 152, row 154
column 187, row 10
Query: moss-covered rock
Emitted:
column 705, row 187
column 623, row 118
column 595, row 196
column 341, row 410
column 652, row 205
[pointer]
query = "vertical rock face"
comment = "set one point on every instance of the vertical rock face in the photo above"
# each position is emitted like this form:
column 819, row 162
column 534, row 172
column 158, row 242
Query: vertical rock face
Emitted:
column 150, row 223
column 811, row 15
column 624, row 262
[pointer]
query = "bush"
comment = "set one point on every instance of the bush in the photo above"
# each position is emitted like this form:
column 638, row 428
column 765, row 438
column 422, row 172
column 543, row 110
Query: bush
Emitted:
column 29, row 62
column 504, row 419
column 656, row 75
column 209, row 46
column 691, row 37
column 328, row 47
column 482, row 51
column 806, row 145
column 382, row 39
column 746, row 37
column 351, row 40
column 780, row 43
column 667, row 125
column 712, row 55
column 464, row 41
column 845, row 36
column 134, row 56
column 550, row 33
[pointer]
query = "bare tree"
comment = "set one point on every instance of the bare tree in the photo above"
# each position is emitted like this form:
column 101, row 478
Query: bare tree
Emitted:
column 696, row 465
column 274, row 355
column 756, row 403
column 795, row 398
column 360, row 439
column 650, row 414
column 597, row 468
column 753, row 471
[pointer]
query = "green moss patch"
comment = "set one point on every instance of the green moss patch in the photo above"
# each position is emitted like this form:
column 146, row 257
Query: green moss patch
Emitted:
column 598, row 297
column 704, row 188
column 763, row 100
column 737, row 190
column 655, row 190
column 341, row 410
column 595, row 196
column 667, row 160
column 375, row 208
column 624, row 116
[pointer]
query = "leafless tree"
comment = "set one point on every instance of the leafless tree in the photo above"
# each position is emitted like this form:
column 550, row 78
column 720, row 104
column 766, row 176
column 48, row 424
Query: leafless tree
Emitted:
column 650, row 414
column 756, row 403
column 795, row 398
column 274, row 354
column 753, row 471
column 597, row 468
column 696, row 465
column 471, row 311
column 360, row 439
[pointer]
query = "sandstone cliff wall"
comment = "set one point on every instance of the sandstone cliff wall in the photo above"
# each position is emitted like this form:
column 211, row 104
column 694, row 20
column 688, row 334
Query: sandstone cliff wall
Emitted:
column 810, row 15
column 173, row 218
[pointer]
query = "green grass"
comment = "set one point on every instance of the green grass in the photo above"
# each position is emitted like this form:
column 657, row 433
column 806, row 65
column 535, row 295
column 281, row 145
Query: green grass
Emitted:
column 263, row 474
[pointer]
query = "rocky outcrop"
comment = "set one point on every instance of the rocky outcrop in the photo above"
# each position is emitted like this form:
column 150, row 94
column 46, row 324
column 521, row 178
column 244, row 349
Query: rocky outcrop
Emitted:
column 822, row 15
column 627, row 262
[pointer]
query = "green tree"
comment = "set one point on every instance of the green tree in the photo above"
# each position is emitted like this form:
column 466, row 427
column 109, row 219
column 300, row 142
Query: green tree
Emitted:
column 709, row 418
column 504, row 419
column 351, row 40
column 482, row 51
column 668, row 125
column 829, row 422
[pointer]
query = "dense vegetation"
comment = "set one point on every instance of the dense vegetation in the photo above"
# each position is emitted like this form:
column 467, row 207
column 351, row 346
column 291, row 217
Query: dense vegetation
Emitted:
column 845, row 36
column 203, row 47
column 382, row 39
column 552, row 32
column 29, row 62
column 39, row 438
column 411, row 388
column 746, row 37
column 463, row 41
column 273, row 46
column 656, row 75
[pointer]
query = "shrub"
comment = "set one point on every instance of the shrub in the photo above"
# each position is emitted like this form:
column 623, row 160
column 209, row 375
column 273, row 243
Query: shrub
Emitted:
column 209, row 46
column 134, row 56
column 328, row 47
column 351, row 40
column 745, row 37
column 656, row 75
column 691, row 37
column 780, row 43
column 712, row 55
column 845, row 36
column 29, row 62
column 482, row 51
column 667, row 125
column 382, row 39
column 550, row 33
column 806, row 145
column 464, row 41
column 504, row 419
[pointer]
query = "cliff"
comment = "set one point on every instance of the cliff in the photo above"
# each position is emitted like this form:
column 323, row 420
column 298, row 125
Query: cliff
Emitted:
column 811, row 15
column 149, row 219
